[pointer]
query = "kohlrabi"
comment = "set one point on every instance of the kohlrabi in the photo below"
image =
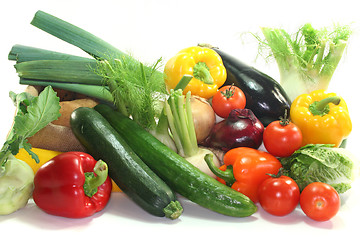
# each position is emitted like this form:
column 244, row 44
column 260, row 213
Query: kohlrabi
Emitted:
column 16, row 177
column 306, row 59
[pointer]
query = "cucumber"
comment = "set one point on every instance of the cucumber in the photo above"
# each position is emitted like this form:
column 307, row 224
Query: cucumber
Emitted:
column 127, row 170
column 179, row 174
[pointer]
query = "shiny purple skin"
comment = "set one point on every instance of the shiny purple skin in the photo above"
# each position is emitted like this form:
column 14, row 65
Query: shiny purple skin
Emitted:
column 240, row 129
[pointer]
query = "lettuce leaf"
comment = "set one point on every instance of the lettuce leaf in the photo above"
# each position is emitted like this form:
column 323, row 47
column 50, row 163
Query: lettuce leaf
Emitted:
column 321, row 163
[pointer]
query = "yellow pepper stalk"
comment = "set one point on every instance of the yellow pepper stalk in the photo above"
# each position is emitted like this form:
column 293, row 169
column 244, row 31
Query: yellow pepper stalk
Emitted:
column 322, row 117
column 204, row 64
column 44, row 156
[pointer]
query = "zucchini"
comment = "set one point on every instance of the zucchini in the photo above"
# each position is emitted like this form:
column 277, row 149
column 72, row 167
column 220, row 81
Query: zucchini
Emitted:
column 179, row 174
column 126, row 169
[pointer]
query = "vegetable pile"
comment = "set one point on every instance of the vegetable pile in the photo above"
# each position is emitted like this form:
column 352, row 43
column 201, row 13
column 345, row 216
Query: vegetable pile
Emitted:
column 193, row 128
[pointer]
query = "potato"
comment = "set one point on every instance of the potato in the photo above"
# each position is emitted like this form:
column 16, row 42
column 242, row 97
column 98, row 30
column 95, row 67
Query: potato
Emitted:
column 56, row 138
column 67, row 107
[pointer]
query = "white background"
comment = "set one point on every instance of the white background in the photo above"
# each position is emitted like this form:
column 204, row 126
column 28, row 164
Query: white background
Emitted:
column 152, row 29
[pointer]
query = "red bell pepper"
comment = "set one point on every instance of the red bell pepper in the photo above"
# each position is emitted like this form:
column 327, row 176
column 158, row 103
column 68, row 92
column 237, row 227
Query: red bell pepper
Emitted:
column 245, row 169
column 72, row 184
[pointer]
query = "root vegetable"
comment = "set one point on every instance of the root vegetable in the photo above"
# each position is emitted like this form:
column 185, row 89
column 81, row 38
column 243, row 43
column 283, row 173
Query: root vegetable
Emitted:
column 203, row 117
column 67, row 107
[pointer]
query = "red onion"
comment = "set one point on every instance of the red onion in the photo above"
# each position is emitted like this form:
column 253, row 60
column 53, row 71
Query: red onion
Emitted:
column 240, row 129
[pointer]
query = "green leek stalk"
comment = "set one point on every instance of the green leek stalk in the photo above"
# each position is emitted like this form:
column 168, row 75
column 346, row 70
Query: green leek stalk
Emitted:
column 21, row 53
column 74, row 71
column 76, row 36
column 99, row 92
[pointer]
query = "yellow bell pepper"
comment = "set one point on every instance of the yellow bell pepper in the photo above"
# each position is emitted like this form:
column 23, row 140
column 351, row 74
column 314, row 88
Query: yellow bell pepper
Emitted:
column 203, row 63
column 44, row 156
column 322, row 117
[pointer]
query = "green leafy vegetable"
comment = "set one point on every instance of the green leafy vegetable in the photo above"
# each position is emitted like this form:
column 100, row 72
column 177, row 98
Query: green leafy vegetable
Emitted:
column 33, row 114
column 306, row 59
column 321, row 163
column 17, row 177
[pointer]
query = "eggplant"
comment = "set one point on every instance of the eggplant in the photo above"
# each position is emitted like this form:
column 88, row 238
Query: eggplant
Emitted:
column 264, row 95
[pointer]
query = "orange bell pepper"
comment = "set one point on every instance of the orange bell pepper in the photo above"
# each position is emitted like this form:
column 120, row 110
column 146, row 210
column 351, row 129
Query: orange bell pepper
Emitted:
column 322, row 117
column 245, row 169
column 203, row 63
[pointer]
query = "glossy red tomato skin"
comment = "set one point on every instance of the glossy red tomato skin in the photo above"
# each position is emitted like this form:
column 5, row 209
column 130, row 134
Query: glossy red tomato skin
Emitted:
column 279, row 196
column 222, row 105
column 282, row 141
column 320, row 201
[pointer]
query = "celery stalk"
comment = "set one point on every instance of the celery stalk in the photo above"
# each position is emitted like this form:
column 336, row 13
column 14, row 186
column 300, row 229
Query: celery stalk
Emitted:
column 178, row 111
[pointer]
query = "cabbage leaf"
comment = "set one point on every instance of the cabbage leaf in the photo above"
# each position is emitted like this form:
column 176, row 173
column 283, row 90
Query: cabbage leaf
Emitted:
column 321, row 163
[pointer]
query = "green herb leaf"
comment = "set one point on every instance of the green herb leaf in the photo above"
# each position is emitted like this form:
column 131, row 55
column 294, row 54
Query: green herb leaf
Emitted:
column 33, row 114
column 41, row 110
column 137, row 88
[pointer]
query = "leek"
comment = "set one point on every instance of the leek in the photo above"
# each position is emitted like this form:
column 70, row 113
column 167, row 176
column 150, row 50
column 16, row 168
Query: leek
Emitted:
column 74, row 35
column 74, row 71
column 21, row 53
column 99, row 92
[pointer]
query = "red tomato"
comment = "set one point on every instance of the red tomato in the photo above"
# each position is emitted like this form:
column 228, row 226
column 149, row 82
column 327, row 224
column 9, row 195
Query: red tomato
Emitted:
column 228, row 98
column 282, row 139
column 320, row 201
column 279, row 196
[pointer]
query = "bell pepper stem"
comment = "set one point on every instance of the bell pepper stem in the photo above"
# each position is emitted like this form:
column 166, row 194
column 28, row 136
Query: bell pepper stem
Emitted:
column 227, row 175
column 92, row 181
column 322, row 107
column 201, row 72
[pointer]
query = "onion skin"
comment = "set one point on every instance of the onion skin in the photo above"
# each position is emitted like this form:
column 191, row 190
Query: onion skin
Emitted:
column 240, row 129
column 203, row 117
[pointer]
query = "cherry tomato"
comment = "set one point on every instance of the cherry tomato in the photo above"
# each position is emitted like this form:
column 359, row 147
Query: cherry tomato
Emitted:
column 279, row 196
column 228, row 98
column 319, row 201
column 282, row 138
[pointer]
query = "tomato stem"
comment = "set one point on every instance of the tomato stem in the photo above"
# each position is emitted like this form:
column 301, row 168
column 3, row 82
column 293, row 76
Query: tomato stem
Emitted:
column 229, row 92
column 284, row 120
column 279, row 174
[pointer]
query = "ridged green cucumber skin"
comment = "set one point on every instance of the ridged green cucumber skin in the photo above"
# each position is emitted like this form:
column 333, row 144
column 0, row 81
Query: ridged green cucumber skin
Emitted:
column 179, row 174
column 127, row 170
